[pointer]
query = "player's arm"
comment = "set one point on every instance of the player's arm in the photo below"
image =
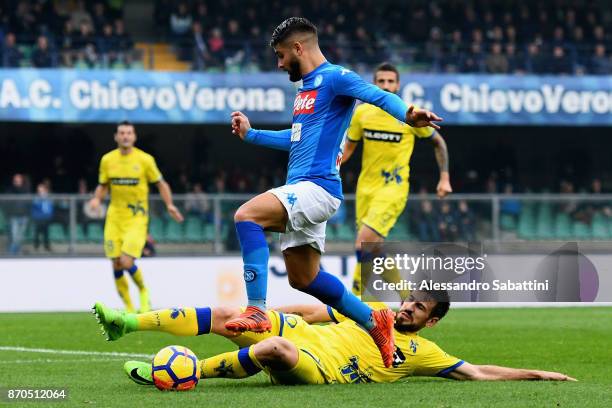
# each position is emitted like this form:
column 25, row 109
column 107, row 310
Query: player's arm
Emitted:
column 472, row 372
column 99, row 194
column 441, row 151
column 354, row 134
column 274, row 139
column 350, row 84
column 310, row 313
column 349, row 149
column 166, row 194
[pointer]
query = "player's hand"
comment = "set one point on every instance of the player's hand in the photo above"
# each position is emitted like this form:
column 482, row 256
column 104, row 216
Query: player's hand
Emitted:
column 552, row 376
column 240, row 124
column 175, row 213
column 444, row 187
column 94, row 204
column 422, row 118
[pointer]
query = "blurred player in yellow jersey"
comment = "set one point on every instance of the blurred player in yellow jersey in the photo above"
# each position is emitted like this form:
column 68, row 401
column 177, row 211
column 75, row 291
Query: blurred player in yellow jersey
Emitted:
column 127, row 172
column 383, row 185
column 296, row 351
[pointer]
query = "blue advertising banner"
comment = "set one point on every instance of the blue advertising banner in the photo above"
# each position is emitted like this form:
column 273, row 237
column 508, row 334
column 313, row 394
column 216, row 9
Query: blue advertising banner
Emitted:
column 41, row 95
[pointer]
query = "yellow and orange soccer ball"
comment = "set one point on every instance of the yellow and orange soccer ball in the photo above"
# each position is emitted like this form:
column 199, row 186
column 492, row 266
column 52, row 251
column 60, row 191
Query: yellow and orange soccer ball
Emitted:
column 175, row 368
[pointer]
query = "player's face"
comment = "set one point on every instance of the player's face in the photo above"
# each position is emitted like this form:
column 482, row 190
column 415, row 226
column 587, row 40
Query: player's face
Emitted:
column 287, row 60
column 125, row 136
column 387, row 80
column 414, row 314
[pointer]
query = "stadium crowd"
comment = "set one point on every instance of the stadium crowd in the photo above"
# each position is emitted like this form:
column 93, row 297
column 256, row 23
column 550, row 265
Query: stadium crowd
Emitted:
column 481, row 36
column 80, row 34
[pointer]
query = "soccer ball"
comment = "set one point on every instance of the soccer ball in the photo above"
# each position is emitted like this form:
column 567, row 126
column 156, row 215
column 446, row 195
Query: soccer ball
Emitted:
column 175, row 368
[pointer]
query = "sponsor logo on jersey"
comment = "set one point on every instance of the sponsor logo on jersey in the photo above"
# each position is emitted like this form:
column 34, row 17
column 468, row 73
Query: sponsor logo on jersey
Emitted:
column 382, row 136
column 398, row 356
column 124, row 181
column 304, row 102
column 353, row 373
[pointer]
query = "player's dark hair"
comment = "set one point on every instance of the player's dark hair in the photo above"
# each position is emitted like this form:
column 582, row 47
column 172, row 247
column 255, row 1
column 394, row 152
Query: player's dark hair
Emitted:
column 442, row 303
column 386, row 66
column 291, row 26
column 125, row 123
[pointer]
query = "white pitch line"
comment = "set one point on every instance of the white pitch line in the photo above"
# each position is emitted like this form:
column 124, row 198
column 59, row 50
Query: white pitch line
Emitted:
column 56, row 361
column 75, row 352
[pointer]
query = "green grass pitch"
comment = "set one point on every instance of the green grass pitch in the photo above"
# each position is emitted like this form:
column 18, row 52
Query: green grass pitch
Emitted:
column 576, row 341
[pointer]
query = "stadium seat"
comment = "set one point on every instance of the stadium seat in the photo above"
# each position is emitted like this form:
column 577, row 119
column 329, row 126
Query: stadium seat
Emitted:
column 599, row 227
column 345, row 233
column 3, row 222
column 581, row 230
column 80, row 233
column 193, row 229
column 156, row 228
column 563, row 227
column 57, row 233
column 526, row 224
column 209, row 232
column 95, row 233
column 174, row 232
column 507, row 222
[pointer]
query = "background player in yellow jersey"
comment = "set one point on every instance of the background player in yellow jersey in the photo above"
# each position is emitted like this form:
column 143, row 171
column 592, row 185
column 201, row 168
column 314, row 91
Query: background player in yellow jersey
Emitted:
column 127, row 172
column 383, row 184
column 297, row 352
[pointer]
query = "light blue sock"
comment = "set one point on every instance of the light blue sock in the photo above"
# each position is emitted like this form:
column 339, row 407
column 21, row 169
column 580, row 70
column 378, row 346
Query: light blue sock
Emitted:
column 329, row 290
column 255, row 255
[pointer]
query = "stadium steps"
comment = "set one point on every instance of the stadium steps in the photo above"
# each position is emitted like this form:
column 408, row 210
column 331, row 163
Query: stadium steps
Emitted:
column 161, row 57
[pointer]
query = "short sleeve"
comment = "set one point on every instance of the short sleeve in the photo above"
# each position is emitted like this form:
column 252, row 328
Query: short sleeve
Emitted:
column 103, row 172
column 153, row 174
column 355, row 130
column 435, row 362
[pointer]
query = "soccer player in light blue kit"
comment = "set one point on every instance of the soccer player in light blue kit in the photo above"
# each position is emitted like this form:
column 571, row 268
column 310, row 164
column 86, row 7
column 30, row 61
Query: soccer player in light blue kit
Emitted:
column 299, row 210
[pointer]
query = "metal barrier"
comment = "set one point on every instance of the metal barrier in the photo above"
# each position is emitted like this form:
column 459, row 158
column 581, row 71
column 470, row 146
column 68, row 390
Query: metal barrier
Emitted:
column 73, row 230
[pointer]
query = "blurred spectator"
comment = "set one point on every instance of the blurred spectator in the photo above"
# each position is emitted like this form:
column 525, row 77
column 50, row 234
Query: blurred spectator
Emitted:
column 535, row 60
column 496, row 62
column 560, row 63
column 516, row 62
column 80, row 15
column 200, row 50
column 99, row 18
column 11, row 56
column 87, row 216
column 42, row 57
column 197, row 204
column 600, row 64
column 180, row 21
column 467, row 222
column 447, row 223
column 216, row 47
column 123, row 40
column 427, row 222
column 42, row 214
column 510, row 206
column 17, row 211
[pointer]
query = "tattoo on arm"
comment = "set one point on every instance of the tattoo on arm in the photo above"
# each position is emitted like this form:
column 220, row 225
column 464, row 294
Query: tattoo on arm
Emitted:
column 441, row 151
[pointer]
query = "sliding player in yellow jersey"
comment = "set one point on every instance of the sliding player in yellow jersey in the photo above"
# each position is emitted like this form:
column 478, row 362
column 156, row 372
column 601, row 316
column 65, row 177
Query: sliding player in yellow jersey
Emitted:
column 127, row 172
column 299, row 352
column 383, row 184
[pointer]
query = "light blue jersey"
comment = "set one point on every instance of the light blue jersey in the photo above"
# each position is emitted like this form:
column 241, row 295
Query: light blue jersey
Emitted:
column 322, row 112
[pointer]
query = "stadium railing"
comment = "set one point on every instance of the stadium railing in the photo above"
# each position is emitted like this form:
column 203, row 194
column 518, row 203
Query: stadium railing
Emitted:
column 208, row 226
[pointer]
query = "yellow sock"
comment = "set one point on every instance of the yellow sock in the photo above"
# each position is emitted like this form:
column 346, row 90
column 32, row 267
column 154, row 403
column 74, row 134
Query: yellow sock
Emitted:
column 357, row 279
column 187, row 321
column 124, row 292
column 392, row 275
column 136, row 274
column 234, row 364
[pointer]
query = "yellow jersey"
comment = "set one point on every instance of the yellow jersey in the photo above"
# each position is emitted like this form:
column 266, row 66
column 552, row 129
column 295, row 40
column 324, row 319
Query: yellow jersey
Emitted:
column 387, row 147
column 128, row 177
column 348, row 354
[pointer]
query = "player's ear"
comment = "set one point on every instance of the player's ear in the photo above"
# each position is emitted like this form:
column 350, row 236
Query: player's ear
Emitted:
column 432, row 322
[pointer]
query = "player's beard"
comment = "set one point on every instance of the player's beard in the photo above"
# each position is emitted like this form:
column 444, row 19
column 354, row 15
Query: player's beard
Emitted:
column 294, row 71
column 406, row 328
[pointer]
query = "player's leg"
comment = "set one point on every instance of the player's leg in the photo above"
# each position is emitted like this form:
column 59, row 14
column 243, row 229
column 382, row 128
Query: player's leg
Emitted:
column 131, row 249
column 112, row 249
column 264, row 212
column 306, row 274
column 365, row 234
column 121, row 283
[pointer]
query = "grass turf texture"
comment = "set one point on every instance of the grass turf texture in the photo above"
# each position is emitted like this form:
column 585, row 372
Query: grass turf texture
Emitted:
column 575, row 341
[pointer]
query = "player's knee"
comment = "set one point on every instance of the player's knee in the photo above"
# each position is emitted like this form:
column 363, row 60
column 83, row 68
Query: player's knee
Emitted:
column 275, row 349
column 126, row 262
column 243, row 213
